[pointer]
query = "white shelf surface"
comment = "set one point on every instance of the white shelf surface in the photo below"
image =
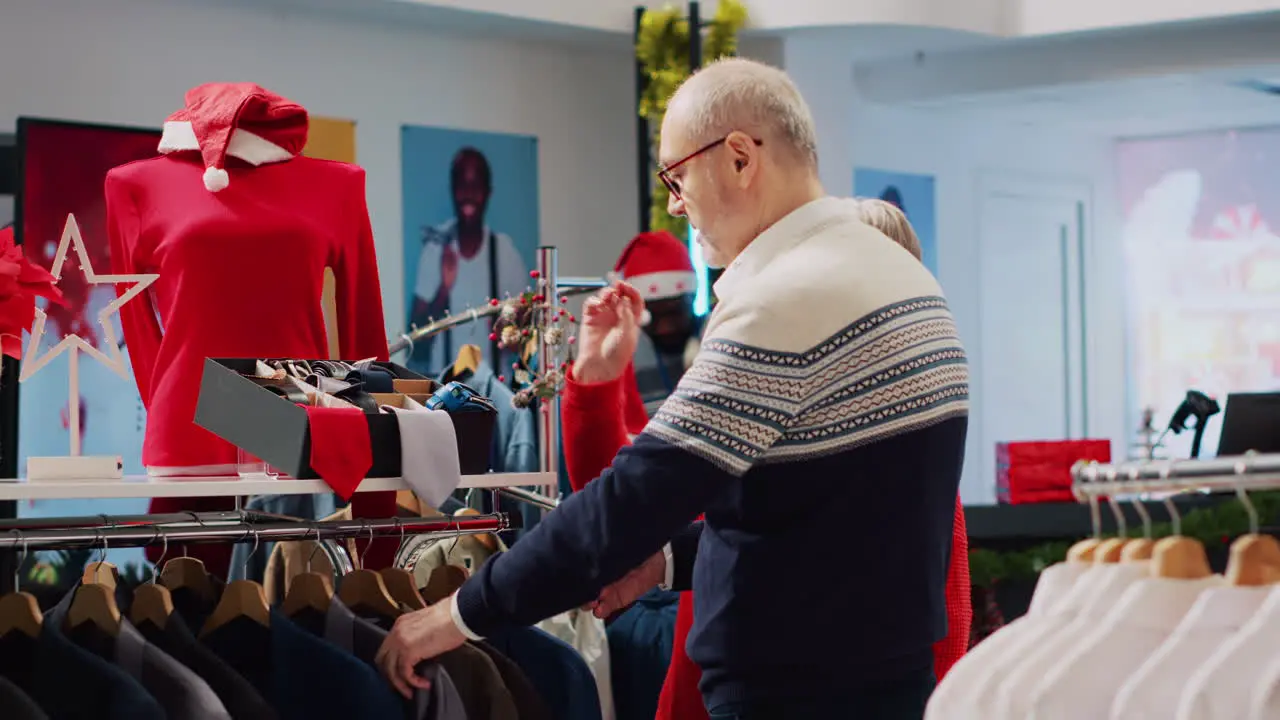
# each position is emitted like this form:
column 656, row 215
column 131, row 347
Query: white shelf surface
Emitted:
column 142, row 486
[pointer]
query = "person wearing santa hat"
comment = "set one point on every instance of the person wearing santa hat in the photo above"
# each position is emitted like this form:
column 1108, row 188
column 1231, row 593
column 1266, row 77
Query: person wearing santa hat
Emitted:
column 604, row 405
column 658, row 266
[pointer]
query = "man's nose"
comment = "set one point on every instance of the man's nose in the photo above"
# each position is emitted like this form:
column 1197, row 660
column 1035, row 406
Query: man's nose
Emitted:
column 675, row 205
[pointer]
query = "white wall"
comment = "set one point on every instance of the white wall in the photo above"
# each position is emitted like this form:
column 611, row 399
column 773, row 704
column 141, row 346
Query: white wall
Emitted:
column 129, row 61
column 957, row 153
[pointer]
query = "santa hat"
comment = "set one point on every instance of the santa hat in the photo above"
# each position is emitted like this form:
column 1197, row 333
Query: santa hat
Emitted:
column 241, row 120
column 658, row 266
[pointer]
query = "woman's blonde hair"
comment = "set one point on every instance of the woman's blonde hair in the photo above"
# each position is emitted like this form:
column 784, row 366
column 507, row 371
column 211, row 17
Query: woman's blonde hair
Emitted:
column 890, row 220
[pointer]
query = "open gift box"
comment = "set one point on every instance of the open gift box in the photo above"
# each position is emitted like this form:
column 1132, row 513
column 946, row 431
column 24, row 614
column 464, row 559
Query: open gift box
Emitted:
column 238, row 407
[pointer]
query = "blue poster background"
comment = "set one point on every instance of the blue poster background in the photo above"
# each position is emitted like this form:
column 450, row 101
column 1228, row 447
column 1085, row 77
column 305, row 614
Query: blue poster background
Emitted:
column 914, row 194
column 427, row 155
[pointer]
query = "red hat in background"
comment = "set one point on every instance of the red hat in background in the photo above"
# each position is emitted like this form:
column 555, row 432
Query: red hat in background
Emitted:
column 658, row 266
column 241, row 120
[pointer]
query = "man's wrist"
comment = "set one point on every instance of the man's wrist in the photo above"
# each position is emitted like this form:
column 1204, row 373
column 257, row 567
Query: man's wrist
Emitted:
column 594, row 372
column 458, row 622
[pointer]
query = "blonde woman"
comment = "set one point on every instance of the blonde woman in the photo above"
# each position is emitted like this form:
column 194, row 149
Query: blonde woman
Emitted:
column 890, row 220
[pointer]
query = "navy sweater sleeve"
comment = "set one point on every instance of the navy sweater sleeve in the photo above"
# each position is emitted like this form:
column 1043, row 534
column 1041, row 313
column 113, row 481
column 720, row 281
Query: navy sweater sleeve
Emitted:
column 707, row 435
column 651, row 492
column 684, row 551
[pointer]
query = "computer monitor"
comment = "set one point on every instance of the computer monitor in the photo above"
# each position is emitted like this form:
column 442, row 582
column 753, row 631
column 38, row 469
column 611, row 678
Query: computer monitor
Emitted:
column 1251, row 421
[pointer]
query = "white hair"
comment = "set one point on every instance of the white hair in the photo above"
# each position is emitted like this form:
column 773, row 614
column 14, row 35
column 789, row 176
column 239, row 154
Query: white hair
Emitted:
column 738, row 94
column 890, row 220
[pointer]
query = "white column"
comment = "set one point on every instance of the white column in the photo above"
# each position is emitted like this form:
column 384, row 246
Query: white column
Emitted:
column 823, row 70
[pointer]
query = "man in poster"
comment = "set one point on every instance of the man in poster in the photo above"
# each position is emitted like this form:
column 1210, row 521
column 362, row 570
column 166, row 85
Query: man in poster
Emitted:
column 463, row 264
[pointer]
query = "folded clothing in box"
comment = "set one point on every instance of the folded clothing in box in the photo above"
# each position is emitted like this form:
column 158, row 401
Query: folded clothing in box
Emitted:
column 272, row 410
column 1040, row 471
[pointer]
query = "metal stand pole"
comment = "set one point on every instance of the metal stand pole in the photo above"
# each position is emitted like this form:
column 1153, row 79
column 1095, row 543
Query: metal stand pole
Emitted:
column 548, row 410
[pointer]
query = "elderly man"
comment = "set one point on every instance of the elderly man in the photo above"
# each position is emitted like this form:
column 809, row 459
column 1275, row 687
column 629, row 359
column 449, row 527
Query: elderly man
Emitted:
column 832, row 364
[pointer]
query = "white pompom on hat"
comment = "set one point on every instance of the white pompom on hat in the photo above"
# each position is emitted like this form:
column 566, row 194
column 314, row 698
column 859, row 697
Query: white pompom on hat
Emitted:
column 241, row 120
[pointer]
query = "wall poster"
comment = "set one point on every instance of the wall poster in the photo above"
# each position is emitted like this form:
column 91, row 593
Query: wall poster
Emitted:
column 914, row 195
column 470, row 230
column 1202, row 267
column 62, row 168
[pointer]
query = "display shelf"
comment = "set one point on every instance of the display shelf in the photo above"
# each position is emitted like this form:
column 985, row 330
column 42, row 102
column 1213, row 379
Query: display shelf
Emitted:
column 1063, row 521
column 141, row 486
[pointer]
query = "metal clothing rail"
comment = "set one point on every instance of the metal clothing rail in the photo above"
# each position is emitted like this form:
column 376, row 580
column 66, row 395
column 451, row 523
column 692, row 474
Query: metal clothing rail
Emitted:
column 1244, row 472
column 238, row 532
column 566, row 287
column 532, row 498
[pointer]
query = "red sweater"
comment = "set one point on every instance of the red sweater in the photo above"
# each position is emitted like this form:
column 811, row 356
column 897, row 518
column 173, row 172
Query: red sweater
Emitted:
column 598, row 420
column 241, row 273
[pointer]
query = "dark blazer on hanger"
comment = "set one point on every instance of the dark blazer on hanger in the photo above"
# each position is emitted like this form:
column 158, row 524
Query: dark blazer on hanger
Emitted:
column 71, row 683
column 16, row 705
column 179, row 691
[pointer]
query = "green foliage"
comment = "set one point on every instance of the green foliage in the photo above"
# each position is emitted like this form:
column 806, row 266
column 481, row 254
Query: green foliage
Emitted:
column 1215, row 526
column 62, row 568
column 662, row 47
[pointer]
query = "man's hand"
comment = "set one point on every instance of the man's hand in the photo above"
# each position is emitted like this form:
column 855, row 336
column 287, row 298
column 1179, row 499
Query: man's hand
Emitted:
column 609, row 333
column 629, row 589
column 417, row 636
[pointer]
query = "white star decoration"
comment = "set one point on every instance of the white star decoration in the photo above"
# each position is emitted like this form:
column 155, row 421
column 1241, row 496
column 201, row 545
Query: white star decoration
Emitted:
column 113, row 357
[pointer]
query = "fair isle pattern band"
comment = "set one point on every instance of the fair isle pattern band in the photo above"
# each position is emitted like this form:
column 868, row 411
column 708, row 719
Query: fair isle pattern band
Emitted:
column 895, row 370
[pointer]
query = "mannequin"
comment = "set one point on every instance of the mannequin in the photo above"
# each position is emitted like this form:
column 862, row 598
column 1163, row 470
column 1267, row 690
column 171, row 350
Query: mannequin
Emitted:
column 240, row 228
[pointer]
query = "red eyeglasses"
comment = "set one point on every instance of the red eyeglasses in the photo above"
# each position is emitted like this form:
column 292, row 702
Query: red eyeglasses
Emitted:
column 664, row 171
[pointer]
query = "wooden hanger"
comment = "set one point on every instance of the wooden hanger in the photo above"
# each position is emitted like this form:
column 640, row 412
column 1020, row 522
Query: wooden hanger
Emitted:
column 1083, row 551
column 403, row 590
column 240, row 599
column 1179, row 557
column 151, row 603
column 188, row 573
column 1254, row 560
column 1137, row 550
column 468, row 360
column 20, row 612
column 95, row 603
column 443, row 582
column 101, row 573
column 489, row 540
column 364, row 590
column 308, row 590
column 1108, row 551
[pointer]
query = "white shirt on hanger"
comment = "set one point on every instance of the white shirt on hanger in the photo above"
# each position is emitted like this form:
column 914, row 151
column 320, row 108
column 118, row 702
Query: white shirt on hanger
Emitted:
column 1154, row 691
column 1221, row 688
column 1012, row 697
column 950, row 699
column 1083, row 684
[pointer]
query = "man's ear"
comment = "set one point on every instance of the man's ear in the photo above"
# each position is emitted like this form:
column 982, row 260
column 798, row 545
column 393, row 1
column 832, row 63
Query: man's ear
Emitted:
column 746, row 155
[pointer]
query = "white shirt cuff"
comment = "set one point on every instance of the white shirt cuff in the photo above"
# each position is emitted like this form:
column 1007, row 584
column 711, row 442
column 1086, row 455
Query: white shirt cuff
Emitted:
column 458, row 621
column 669, row 575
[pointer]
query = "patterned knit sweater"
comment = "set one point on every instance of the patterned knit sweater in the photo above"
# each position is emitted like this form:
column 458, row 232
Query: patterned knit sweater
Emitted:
column 830, row 362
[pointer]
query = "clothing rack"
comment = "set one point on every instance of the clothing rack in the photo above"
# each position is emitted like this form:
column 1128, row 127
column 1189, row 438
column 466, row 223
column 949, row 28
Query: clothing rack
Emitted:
column 1245, row 472
column 566, row 287
column 203, row 531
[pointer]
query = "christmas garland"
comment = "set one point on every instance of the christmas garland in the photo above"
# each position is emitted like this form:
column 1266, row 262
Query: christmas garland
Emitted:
column 662, row 47
column 516, row 330
column 1214, row 526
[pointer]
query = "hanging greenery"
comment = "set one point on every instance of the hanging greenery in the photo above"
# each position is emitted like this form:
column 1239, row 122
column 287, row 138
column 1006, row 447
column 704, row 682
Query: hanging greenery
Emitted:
column 662, row 47
column 1214, row 526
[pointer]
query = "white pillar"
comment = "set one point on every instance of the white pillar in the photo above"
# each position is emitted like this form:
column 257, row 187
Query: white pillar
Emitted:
column 823, row 70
